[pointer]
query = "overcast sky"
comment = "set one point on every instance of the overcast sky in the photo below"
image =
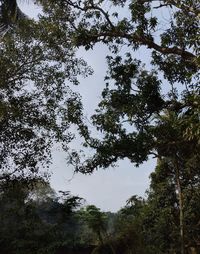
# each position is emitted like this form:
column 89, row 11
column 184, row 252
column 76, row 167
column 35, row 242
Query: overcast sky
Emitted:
column 108, row 189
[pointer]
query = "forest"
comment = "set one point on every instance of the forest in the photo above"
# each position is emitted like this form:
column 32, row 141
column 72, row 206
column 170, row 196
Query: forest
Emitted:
column 147, row 110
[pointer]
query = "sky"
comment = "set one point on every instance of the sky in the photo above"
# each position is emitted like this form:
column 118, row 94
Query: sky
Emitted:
column 107, row 189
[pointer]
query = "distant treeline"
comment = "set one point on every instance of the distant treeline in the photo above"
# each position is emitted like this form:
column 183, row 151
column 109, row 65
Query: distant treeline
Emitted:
column 34, row 219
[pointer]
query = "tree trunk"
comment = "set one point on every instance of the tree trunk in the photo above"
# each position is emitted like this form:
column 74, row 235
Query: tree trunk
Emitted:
column 180, row 200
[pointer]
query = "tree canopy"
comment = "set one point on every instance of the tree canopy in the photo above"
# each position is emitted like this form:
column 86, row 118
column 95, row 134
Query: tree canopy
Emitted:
column 36, row 61
column 126, row 114
column 146, row 110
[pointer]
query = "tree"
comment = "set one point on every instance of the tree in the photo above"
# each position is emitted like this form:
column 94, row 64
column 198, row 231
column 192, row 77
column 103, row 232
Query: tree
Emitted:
column 35, row 219
column 167, row 138
column 161, row 216
column 98, row 24
column 135, row 119
column 176, row 56
column 96, row 220
column 181, row 155
column 36, row 61
column 21, row 228
column 128, row 227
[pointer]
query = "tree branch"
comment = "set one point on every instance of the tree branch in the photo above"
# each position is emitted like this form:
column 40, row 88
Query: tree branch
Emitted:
column 143, row 40
column 91, row 7
column 114, row 32
column 164, row 50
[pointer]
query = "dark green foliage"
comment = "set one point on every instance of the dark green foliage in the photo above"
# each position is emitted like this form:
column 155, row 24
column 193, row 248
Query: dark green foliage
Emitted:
column 34, row 222
column 36, row 61
column 133, row 97
column 136, row 119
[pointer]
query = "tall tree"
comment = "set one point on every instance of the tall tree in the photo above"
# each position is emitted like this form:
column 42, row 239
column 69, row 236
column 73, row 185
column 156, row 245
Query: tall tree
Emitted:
column 36, row 61
column 136, row 98
column 133, row 114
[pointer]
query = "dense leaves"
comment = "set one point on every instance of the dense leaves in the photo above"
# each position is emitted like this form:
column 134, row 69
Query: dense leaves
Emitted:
column 34, row 219
column 135, row 118
column 133, row 98
column 35, row 61
column 144, row 111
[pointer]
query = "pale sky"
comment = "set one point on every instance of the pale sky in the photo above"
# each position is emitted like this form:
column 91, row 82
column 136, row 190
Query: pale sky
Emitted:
column 107, row 189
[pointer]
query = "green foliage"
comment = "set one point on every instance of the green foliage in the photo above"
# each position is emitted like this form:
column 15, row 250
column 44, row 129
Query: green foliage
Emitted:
column 36, row 61
column 177, row 39
column 136, row 119
column 34, row 219
column 96, row 221
column 133, row 99
column 35, row 223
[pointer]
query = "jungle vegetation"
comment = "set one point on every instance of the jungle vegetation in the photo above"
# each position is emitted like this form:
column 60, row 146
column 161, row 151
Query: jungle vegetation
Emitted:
column 145, row 110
